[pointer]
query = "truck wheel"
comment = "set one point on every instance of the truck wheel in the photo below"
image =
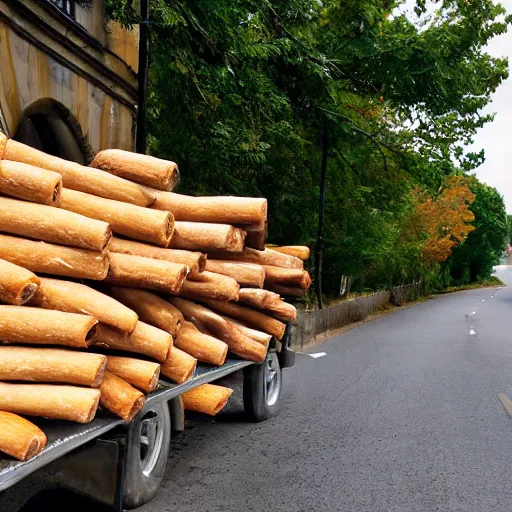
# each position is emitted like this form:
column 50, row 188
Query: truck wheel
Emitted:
column 262, row 388
column 147, row 451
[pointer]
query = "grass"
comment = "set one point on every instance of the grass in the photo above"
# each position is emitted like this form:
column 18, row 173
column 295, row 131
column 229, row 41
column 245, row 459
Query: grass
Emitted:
column 490, row 282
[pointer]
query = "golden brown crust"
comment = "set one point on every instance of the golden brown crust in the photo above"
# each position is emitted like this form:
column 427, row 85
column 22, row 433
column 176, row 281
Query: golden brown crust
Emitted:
column 213, row 209
column 51, row 365
column 30, row 183
column 208, row 398
column 250, row 317
column 19, row 437
column 210, row 285
column 20, row 324
column 179, row 366
column 203, row 347
column 269, row 301
column 50, row 400
column 140, row 272
column 287, row 276
column 245, row 274
column 286, row 291
column 195, row 261
column 145, row 339
column 54, row 259
column 151, row 308
column 266, row 257
column 299, row 251
column 17, row 284
column 53, row 225
column 237, row 341
column 81, row 178
column 119, row 397
column 204, row 237
column 141, row 374
column 143, row 169
column 125, row 219
column 78, row 298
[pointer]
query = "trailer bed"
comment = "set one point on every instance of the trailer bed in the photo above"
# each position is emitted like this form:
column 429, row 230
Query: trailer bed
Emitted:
column 64, row 437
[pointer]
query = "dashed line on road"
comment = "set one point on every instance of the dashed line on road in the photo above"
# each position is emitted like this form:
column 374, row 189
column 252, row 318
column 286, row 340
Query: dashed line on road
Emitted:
column 507, row 403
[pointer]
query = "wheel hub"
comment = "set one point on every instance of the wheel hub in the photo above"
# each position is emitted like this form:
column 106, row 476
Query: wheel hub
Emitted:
column 272, row 380
column 151, row 439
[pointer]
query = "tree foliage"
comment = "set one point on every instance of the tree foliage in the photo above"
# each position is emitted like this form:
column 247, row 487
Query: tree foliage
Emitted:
column 242, row 94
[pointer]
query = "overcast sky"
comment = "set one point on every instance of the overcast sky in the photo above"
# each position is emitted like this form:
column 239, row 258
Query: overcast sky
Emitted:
column 496, row 137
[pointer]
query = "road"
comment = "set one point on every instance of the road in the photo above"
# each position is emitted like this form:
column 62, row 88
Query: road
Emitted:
column 402, row 414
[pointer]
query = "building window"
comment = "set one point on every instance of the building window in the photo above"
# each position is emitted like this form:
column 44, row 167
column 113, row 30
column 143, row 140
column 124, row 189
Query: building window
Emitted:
column 66, row 6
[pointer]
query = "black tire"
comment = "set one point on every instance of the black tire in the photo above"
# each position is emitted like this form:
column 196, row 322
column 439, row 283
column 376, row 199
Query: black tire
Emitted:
column 262, row 388
column 147, row 451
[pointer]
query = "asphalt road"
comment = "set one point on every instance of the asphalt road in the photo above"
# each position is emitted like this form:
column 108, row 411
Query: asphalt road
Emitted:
column 402, row 414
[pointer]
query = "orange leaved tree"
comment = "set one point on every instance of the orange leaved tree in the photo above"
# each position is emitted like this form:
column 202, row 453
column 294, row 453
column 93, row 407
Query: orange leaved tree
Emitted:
column 443, row 221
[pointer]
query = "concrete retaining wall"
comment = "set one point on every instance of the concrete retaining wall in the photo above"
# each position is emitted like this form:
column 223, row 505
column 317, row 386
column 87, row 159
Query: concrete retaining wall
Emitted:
column 310, row 324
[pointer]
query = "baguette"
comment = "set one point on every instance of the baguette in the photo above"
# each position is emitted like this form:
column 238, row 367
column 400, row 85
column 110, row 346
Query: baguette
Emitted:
column 119, row 397
column 195, row 261
column 145, row 339
column 151, row 308
column 141, row 374
column 50, row 400
column 250, row 317
column 265, row 257
column 54, row 259
column 211, row 286
column 30, row 183
column 17, row 285
column 81, row 178
column 203, row 347
column 20, row 438
column 143, row 169
column 179, row 366
column 52, row 225
column 78, row 298
column 245, row 274
column 125, row 219
column 51, row 365
column 219, row 209
column 140, row 272
column 208, row 399
column 20, row 324
column 201, row 236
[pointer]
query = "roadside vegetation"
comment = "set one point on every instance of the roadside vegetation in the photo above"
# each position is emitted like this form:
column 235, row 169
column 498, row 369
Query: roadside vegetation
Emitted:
column 250, row 97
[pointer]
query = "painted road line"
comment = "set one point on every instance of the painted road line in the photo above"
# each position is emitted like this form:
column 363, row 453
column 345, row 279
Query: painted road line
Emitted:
column 507, row 403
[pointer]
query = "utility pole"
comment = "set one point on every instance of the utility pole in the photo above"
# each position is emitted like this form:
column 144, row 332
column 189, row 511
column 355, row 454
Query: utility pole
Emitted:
column 142, row 78
column 321, row 216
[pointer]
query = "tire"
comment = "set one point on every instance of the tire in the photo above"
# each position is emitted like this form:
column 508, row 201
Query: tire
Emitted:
column 147, row 451
column 262, row 388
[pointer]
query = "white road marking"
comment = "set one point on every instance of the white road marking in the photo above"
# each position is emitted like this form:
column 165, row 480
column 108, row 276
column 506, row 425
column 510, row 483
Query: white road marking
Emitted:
column 317, row 355
column 507, row 403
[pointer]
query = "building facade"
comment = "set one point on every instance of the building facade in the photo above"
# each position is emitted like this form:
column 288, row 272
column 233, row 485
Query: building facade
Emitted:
column 68, row 77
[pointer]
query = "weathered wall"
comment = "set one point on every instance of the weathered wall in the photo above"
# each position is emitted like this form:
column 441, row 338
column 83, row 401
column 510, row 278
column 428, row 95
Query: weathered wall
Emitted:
column 41, row 58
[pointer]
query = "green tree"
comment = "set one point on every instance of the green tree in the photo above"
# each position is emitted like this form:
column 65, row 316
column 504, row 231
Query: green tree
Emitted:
column 473, row 260
column 242, row 93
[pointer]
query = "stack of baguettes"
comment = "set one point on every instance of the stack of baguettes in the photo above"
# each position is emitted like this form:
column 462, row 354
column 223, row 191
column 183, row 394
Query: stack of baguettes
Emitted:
column 105, row 258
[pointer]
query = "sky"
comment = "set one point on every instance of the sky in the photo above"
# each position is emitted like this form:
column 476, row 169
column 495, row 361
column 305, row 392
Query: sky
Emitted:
column 496, row 137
